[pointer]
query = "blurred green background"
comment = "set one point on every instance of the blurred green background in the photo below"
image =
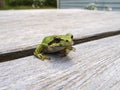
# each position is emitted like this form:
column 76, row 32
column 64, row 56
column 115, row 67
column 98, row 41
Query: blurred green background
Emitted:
column 27, row 4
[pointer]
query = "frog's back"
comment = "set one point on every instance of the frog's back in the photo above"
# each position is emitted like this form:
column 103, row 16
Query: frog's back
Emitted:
column 48, row 39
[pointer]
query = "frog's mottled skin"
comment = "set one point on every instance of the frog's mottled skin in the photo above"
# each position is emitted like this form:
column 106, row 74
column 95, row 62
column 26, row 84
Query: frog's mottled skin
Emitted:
column 55, row 43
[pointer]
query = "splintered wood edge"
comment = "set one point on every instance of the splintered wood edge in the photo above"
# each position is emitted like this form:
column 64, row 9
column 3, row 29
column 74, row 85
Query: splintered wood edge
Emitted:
column 27, row 51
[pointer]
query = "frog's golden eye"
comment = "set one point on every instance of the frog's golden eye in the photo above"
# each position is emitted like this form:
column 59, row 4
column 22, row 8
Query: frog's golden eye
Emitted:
column 72, row 36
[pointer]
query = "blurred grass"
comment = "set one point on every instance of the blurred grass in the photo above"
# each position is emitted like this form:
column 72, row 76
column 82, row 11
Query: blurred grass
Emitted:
column 27, row 4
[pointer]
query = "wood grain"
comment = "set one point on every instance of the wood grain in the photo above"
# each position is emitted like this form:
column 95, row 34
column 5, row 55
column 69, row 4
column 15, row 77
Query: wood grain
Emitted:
column 26, row 28
column 94, row 66
column 28, row 51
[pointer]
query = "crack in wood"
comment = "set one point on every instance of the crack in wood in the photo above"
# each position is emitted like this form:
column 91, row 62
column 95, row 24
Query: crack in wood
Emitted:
column 15, row 54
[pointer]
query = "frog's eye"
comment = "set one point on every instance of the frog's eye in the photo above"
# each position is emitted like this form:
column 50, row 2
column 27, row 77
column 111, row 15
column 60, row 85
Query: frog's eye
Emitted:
column 72, row 36
column 56, row 40
column 67, row 41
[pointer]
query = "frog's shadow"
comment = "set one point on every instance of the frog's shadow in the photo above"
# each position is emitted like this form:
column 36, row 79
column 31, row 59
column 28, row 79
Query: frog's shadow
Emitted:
column 59, row 62
column 57, row 57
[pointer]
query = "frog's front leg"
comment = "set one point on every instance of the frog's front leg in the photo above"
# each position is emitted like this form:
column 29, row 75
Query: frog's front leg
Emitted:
column 42, row 57
column 39, row 52
column 66, row 51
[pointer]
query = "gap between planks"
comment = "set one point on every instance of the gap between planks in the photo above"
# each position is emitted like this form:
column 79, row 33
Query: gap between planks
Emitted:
column 28, row 51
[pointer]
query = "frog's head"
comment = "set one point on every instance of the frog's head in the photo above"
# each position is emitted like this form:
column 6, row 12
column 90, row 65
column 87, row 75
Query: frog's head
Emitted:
column 66, row 40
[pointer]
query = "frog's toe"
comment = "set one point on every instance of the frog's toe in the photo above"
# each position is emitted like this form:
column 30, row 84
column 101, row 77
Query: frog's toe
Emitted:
column 40, row 57
column 43, row 57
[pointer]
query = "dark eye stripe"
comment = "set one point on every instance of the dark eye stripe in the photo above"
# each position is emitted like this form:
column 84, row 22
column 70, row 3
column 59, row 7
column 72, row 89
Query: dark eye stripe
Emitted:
column 56, row 40
column 66, row 40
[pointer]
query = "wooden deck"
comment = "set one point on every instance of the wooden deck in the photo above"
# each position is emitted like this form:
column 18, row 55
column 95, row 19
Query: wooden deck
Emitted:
column 94, row 66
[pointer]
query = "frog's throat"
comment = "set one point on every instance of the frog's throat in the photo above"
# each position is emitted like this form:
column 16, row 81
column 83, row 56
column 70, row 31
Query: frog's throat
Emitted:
column 53, row 49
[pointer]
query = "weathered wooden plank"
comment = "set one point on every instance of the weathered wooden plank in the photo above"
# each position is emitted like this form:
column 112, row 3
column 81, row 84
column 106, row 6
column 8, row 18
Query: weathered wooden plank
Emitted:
column 23, row 29
column 94, row 66
column 19, row 53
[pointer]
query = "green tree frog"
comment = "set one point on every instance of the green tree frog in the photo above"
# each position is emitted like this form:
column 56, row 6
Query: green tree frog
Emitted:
column 55, row 43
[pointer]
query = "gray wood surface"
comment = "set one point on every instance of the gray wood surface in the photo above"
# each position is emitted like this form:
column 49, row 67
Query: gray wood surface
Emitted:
column 25, row 28
column 94, row 66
